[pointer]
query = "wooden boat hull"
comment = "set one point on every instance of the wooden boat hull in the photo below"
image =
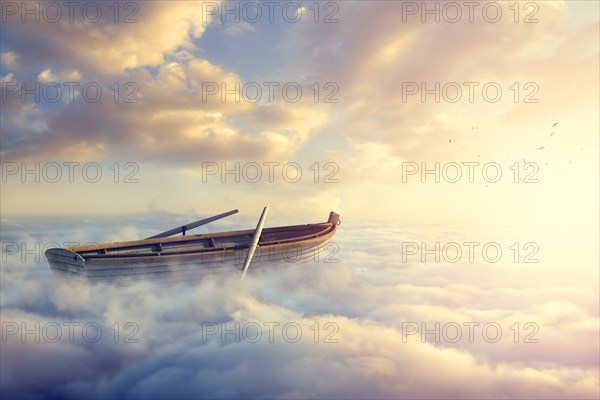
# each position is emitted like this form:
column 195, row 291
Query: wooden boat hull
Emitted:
column 192, row 257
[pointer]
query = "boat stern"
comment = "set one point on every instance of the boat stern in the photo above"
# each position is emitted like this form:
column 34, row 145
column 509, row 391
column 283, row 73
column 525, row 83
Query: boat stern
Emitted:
column 65, row 261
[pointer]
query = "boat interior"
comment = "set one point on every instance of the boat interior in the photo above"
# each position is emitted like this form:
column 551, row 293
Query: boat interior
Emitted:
column 208, row 242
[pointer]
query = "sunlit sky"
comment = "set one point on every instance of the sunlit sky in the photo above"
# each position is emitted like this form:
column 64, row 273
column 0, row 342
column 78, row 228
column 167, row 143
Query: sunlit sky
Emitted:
column 372, row 57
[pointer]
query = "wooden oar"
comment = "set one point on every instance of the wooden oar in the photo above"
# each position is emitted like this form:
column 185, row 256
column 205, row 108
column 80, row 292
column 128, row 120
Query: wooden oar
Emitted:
column 254, row 243
column 192, row 225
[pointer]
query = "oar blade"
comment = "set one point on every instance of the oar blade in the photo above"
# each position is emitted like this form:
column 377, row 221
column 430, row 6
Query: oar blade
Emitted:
column 254, row 243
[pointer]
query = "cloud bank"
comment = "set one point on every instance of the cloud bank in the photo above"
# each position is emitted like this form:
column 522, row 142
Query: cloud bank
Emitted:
column 362, row 327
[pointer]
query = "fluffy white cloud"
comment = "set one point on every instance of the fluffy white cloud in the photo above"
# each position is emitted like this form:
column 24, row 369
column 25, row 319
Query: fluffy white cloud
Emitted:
column 166, row 105
column 356, row 317
column 106, row 38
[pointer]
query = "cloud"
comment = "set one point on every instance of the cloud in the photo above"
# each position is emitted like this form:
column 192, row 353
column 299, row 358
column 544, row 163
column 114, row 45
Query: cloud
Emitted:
column 326, row 330
column 164, row 119
column 176, row 108
column 374, row 67
column 370, row 68
column 109, row 40
column 9, row 59
column 48, row 76
column 239, row 28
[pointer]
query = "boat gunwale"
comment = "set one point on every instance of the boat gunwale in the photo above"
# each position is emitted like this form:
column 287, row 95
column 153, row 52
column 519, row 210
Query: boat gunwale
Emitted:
column 95, row 258
column 327, row 227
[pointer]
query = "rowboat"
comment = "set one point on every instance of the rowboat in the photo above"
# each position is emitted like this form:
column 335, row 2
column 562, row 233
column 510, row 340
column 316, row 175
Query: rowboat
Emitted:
column 166, row 258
